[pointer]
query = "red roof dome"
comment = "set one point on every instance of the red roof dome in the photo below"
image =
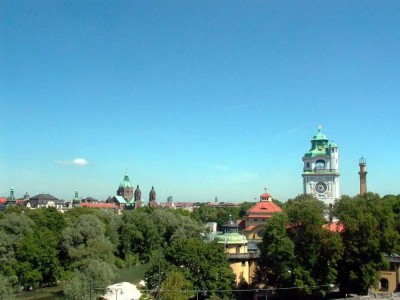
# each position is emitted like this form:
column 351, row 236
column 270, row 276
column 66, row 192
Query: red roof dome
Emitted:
column 263, row 208
column 265, row 196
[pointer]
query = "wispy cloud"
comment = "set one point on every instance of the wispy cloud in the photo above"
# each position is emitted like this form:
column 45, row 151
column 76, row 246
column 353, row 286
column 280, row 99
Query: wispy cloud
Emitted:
column 77, row 162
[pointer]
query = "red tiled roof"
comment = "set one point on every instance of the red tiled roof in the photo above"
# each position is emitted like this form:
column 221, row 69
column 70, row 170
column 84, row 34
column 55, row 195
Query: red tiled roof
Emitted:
column 3, row 200
column 265, row 196
column 241, row 223
column 266, row 207
column 259, row 216
column 249, row 228
column 334, row 226
column 98, row 205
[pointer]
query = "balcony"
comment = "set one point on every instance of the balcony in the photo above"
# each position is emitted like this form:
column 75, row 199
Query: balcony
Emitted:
column 320, row 171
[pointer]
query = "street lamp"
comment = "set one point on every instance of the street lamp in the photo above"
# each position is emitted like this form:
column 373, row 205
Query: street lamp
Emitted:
column 116, row 290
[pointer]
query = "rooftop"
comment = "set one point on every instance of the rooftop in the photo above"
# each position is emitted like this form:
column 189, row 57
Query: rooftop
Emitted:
column 263, row 207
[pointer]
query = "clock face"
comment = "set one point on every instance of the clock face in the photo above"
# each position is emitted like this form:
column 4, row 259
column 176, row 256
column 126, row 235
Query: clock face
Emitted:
column 320, row 187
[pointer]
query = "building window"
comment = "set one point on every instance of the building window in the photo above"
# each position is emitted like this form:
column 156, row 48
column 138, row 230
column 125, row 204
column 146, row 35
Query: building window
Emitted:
column 320, row 164
column 255, row 219
column 308, row 165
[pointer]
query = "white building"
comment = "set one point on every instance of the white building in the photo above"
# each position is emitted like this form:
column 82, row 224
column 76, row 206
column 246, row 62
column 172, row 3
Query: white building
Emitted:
column 321, row 169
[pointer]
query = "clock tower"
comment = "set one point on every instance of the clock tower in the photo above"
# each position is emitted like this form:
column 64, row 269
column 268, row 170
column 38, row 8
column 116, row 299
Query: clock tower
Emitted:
column 321, row 169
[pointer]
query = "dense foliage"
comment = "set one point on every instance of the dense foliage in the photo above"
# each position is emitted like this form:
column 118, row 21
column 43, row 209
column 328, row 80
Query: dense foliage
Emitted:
column 83, row 246
column 203, row 265
column 370, row 234
column 300, row 256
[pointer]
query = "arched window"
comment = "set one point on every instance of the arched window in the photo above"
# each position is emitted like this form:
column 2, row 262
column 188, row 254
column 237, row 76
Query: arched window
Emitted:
column 384, row 284
column 320, row 164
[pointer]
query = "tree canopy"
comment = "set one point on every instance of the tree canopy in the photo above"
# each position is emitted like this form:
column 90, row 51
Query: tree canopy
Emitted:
column 369, row 234
column 204, row 265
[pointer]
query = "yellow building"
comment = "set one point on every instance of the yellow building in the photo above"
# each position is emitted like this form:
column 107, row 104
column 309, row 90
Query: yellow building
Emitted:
column 389, row 281
column 242, row 261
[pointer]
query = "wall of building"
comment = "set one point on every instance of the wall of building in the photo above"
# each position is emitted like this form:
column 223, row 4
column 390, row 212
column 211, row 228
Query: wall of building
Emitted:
column 393, row 280
column 241, row 270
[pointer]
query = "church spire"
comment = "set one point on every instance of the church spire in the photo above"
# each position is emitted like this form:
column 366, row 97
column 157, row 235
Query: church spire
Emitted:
column 11, row 198
column 152, row 197
column 138, row 197
column 76, row 201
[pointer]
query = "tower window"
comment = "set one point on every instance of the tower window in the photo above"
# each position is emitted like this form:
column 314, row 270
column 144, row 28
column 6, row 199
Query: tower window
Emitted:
column 308, row 165
column 320, row 164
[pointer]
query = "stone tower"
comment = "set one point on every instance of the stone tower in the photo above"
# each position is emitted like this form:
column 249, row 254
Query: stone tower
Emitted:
column 321, row 169
column 152, row 197
column 363, row 175
column 138, row 197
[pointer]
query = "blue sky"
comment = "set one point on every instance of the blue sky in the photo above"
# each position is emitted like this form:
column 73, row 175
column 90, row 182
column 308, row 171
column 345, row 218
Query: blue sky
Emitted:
column 198, row 98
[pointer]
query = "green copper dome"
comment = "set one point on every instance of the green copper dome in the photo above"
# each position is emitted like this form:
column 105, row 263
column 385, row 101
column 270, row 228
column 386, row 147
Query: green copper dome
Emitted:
column 11, row 198
column 319, row 136
column 230, row 238
column 76, row 199
column 333, row 145
column 319, row 145
column 126, row 184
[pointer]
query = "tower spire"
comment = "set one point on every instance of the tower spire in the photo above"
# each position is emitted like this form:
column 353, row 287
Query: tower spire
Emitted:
column 11, row 199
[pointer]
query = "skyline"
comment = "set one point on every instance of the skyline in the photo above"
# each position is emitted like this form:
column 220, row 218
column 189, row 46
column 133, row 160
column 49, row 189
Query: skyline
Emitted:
column 200, row 99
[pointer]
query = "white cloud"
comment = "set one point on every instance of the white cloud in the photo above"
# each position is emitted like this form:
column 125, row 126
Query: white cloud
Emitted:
column 80, row 162
column 77, row 162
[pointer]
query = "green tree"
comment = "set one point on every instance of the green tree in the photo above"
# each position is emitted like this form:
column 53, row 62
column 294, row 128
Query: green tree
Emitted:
column 317, row 250
column 7, row 254
column 17, row 225
column 85, row 240
column 204, row 214
column 139, row 234
column 49, row 218
column 176, row 287
column 14, row 227
column 37, row 258
column 297, row 251
column 173, row 225
column 93, row 279
column 6, row 288
column 244, row 207
column 277, row 257
column 204, row 265
column 369, row 234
